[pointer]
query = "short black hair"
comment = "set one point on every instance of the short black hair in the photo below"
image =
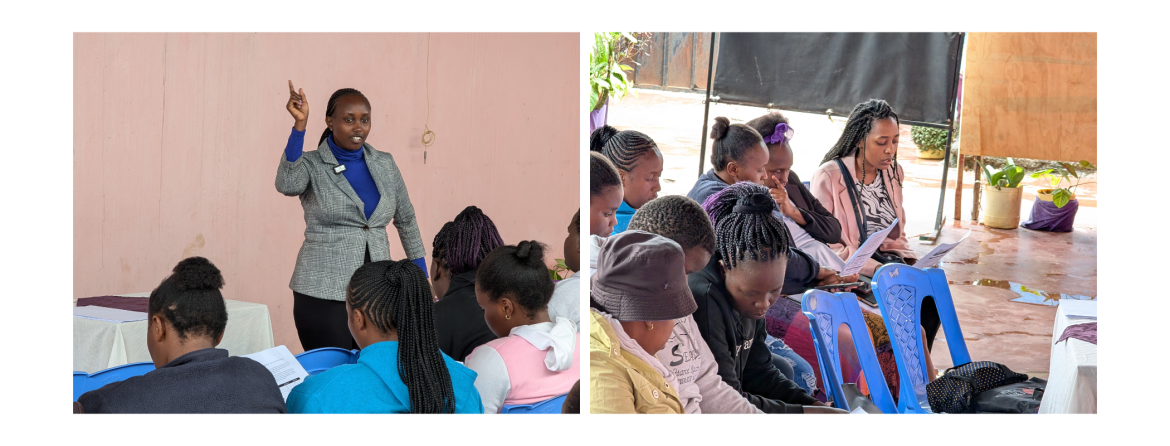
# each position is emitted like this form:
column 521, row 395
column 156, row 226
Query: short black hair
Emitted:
column 766, row 125
column 602, row 174
column 518, row 270
column 576, row 221
column 678, row 218
column 622, row 148
column 331, row 106
column 732, row 141
column 190, row 299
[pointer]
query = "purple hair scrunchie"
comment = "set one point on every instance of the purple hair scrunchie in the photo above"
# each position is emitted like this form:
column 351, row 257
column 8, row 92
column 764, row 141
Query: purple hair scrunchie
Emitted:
column 781, row 134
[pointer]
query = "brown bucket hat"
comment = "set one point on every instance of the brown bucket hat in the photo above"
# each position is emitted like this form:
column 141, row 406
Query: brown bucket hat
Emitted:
column 642, row 277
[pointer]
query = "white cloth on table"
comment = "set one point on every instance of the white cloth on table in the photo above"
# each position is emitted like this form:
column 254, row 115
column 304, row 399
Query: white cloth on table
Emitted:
column 99, row 345
column 1072, row 373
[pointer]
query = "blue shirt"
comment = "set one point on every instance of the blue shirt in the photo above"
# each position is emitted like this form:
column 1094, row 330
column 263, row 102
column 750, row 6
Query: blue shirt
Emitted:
column 624, row 214
column 374, row 386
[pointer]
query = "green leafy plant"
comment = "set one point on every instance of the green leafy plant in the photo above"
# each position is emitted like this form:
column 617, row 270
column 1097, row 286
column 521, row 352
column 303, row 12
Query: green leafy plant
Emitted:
column 929, row 138
column 607, row 73
column 1010, row 176
column 1061, row 195
column 557, row 273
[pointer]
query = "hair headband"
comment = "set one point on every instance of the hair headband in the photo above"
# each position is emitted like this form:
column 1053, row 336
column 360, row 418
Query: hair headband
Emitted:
column 782, row 133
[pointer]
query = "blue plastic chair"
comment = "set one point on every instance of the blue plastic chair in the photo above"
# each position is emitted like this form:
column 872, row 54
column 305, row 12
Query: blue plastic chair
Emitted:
column 325, row 358
column 83, row 382
column 552, row 405
column 900, row 290
column 826, row 312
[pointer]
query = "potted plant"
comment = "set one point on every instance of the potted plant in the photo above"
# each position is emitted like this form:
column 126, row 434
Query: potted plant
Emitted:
column 931, row 142
column 1004, row 195
column 560, row 271
column 607, row 74
column 1060, row 196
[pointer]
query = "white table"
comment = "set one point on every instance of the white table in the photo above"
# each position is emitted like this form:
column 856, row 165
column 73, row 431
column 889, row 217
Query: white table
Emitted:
column 99, row 345
column 1072, row 375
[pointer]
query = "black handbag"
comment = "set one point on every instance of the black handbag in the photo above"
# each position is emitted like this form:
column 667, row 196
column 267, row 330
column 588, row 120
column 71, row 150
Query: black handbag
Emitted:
column 1021, row 397
column 958, row 387
column 862, row 228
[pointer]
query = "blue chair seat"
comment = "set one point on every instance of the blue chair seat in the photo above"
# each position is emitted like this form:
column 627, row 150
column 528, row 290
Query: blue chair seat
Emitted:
column 826, row 313
column 84, row 382
column 322, row 359
column 552, row 405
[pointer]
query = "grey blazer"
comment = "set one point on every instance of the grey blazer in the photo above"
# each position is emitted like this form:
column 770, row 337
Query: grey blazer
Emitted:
column 336, row 229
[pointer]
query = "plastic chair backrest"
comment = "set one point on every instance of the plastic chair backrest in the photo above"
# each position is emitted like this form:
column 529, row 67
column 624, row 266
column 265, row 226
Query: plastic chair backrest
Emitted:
column 83, row 382
column 552, row 405
column 900, row 290
column 325, row 358
column 826, row 313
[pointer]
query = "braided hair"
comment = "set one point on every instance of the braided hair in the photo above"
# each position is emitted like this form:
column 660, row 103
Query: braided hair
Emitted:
column 622, row 148
column 857, row 128
column 517, row 270
column 395, row 296
column 602, row 174
column 190, row 299
column 744, row 225
column 471, row 237
column 439, row 245
column 678, row 218
column 732, row 142
column 329, row 109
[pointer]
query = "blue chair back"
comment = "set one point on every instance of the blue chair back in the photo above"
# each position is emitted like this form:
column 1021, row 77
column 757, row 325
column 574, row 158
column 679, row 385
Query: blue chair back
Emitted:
column 900, row 290
column 325, row 358
column 826, row 313
column 552, row 405
column 83, row 382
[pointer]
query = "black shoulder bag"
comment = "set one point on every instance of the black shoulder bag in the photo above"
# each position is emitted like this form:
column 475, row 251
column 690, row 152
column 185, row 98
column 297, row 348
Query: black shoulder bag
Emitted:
column 862, row 227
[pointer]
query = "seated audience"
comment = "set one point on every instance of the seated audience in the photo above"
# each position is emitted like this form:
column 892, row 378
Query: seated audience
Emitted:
column 734, row 292
column 638, row 292
column 566, row 298
column 456, row 255
column 400, row 369
column 186, row 319
column 535, row 357
column 605, row 195
column 639, row 163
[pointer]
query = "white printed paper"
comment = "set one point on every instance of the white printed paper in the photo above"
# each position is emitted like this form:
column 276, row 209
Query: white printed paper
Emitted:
column 862, row 255
column 108, row 314
column 931, row 258
column 285, row 368
column 858, row 411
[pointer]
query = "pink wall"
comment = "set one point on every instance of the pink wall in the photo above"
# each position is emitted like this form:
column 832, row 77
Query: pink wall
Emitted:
column 177, row 138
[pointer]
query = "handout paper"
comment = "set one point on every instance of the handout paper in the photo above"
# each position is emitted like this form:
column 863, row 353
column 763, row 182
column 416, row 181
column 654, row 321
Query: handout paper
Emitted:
column 862, row 255
column 108, row 314
column 931, row 258
column 858, row 411
column 285, row 368
column 1079, row 309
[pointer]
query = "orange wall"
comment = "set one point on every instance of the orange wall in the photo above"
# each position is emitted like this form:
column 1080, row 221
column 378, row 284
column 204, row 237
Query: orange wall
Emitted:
column 177, row 138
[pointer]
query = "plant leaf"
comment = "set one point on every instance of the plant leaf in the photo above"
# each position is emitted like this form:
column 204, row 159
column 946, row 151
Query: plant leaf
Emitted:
column 1041, row 173
column 1071, row 170
column 1060, row 197
column 1015, row 177
column 986, row 172
column 625, row 67
column 1086, row 164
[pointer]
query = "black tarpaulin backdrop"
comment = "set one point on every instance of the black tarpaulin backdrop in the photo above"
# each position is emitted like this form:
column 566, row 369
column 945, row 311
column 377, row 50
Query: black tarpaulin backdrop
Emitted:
column 816, row 72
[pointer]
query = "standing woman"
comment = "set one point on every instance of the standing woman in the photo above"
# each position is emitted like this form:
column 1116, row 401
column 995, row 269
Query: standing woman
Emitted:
column 349, row 192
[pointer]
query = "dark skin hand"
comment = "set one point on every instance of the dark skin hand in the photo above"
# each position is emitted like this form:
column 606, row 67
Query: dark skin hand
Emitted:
column 298, row 107
column 787, row 207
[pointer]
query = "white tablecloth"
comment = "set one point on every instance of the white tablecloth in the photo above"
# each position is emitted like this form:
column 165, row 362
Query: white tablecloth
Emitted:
column 99, row 345
column 1072, row 375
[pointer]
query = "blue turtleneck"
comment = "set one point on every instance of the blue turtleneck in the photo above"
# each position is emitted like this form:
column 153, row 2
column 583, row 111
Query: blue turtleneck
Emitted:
column 355, row 172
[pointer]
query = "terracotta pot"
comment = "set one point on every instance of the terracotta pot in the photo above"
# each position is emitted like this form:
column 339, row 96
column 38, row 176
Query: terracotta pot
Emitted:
column 926, row 154
column 1002, row 207
column 1046, row 195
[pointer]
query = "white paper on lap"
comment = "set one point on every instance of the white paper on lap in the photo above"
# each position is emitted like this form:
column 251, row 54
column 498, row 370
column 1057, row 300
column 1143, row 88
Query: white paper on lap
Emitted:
column 285, row 368
column 862, row 255
column 931, row 258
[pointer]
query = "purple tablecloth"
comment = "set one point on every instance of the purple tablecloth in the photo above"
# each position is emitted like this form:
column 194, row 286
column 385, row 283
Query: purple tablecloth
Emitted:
column 141, row 304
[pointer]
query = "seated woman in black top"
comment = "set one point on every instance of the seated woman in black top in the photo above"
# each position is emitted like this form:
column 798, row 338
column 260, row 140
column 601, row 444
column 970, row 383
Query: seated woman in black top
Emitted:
column 187, row 317
column 734, row 291
column 457, row 252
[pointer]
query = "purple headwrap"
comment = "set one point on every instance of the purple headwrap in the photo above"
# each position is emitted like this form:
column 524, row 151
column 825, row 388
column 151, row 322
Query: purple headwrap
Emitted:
column 782, row 133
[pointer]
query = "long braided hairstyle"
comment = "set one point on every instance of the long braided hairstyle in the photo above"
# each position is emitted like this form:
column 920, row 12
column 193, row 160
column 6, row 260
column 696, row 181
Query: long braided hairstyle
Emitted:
column 471, row 237
column 622, row 148
column 329, row 109
column 744, row 225
column 394, row 295
column 859, row 125
column 517, row 270
column 439, row 244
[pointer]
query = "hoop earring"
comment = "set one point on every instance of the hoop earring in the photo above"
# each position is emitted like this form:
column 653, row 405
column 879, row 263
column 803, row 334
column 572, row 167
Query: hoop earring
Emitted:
column 507, row 316
column 651, row 325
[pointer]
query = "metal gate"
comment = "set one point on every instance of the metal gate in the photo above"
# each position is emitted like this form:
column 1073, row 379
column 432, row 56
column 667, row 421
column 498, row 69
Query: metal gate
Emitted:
column 675, row 62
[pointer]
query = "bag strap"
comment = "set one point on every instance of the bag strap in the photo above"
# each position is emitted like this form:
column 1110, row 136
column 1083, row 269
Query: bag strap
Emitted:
column 862, row 228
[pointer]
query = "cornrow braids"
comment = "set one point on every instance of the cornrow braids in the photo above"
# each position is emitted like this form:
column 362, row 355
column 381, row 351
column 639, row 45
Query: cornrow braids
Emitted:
column 731, row 142
column 472, row 236
column 329, row 109
column 599, row 136
column 744, row 225
column 678, row 218
column 853, row 139
column 624, row 148
column 190, row 299
column 517, row 270
column 395, row 296
column 439, row 245
column 602, row 174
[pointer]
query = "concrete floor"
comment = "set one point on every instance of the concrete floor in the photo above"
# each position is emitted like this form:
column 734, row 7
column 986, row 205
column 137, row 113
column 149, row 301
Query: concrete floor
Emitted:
column 1005, row 283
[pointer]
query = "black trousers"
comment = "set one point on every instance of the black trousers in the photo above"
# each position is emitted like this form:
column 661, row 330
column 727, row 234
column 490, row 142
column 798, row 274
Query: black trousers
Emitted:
column 321, row 322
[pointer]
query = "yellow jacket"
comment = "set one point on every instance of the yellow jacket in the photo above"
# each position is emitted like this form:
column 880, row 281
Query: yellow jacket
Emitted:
column 620, row 382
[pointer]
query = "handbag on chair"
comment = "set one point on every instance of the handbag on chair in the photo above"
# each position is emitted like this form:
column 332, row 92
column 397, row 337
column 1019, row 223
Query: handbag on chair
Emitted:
column 955, row 391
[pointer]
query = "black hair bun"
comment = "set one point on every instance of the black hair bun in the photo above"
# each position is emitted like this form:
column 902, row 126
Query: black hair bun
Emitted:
column 530, row 252
column 394, row 272
column 719, row 128
column 600, row 136
column 755, row 203
column 197, row 273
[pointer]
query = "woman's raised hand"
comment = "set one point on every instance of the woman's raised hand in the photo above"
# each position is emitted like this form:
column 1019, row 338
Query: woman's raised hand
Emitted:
column 298, row 107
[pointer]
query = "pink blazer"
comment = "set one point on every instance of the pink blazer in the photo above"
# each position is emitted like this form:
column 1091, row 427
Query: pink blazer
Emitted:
column 829, row 187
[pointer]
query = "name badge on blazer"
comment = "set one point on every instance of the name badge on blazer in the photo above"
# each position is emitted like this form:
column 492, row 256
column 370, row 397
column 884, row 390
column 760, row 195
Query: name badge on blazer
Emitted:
column 339, row 169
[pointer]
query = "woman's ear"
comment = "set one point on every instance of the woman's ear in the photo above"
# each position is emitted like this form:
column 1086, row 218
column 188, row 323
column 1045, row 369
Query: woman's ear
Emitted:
column 359, row 319
column 507, row 308
column 157, row 328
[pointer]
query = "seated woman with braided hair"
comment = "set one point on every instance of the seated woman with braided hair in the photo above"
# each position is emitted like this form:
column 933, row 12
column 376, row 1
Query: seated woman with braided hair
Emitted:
column 734, row 292
column 401, row 369
column 535, row 357
column 186, row 320
column 639, row 163
column 457, row 252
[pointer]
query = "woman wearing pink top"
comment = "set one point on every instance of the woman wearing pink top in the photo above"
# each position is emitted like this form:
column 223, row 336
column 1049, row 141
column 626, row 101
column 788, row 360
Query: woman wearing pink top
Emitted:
column 533, row 361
